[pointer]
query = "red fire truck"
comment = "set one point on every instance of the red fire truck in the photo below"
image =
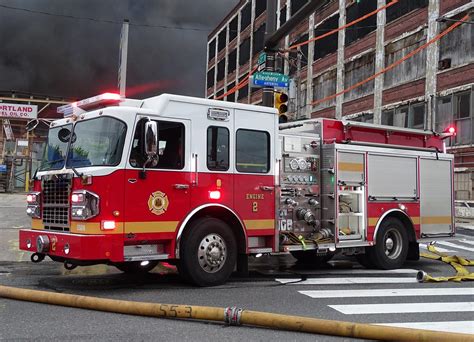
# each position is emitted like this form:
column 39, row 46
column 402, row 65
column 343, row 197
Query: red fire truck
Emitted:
column 204, row 183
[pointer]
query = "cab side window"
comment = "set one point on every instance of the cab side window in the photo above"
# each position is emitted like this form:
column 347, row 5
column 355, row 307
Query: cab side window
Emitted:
column 170, row 146
column 253, row 151
column 217, row 148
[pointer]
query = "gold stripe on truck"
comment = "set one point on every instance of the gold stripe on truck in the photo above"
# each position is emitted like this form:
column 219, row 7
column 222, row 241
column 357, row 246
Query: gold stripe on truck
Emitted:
column 259, row 224
column 436, row 220
column 350, row 167
column 37, row 224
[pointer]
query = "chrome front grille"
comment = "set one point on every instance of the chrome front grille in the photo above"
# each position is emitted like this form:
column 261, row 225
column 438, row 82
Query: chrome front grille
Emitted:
column 55, row 201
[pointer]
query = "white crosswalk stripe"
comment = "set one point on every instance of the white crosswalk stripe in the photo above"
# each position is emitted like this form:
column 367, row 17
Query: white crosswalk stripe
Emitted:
column 455, row 245
column 414, row 301
column 440, row 249
column 389, row 292
column 361, row 309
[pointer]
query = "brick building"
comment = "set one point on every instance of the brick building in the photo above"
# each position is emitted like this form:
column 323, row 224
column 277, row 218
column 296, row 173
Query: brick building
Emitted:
column 431, row 90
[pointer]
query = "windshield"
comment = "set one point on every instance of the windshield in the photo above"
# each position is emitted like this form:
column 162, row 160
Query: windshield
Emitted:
column 97, row 142
column 55, row 152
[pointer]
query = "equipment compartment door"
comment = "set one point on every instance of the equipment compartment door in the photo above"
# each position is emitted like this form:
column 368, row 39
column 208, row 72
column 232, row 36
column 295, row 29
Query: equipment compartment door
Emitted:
column 436, row 207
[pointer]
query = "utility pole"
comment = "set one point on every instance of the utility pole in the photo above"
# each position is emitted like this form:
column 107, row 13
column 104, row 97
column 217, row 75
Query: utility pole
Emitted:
column 123, row 54
column 270, row 27
column 273, row 36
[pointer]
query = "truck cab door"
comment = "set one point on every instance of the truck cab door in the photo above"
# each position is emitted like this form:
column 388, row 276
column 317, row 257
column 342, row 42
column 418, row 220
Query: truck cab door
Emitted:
column 155, row 205
column 254, row 178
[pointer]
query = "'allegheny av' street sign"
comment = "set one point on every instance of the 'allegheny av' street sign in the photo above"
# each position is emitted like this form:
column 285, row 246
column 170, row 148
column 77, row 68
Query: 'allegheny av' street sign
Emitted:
column 270, row 79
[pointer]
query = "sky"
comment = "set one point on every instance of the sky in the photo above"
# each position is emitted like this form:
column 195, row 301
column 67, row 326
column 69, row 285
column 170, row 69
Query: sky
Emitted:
column 74, row 58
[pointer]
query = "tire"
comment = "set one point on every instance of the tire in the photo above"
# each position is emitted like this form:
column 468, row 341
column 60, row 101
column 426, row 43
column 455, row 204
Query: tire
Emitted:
column 134, row 267
column 208, row 252
column 366, row 259
column 311, row 258
column 391, row 245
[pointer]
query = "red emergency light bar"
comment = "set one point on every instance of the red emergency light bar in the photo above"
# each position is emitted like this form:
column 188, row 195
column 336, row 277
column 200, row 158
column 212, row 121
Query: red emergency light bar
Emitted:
column 91, row 102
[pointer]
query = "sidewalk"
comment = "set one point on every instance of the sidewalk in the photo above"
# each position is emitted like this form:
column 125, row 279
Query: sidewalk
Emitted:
column 13, row 211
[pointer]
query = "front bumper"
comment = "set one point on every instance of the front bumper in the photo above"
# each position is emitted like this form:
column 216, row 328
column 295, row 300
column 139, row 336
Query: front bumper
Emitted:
column 104, row 247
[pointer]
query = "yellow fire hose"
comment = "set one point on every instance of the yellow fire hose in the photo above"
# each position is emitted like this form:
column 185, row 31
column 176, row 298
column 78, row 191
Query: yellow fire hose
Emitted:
column 458, row 263
column 233, row 316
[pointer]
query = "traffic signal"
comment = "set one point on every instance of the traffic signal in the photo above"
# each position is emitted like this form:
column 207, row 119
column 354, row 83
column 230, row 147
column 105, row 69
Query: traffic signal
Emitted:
column 281, row 103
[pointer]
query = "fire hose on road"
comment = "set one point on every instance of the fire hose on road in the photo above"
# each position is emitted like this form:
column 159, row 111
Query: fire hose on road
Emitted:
column 232, row 316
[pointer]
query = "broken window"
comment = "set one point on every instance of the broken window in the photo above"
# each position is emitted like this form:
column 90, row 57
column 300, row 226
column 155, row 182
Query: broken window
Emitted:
column 282, row 15
column 231, row 97
column 456, row 109
column 244, row 91
column 212, row 49
column 221, row 69
column 359, row 70
column 259, row 39
column 245, row 16
column 210, row 78
column 327, row 45
column 408, row 116
column 403, row 7
column 296, row 5
column 324, row 85
column 457, row 47
column 410, row 70
column 260, row 7
column 233, row 29
column 232, row 58
column 244, row 51
column 363, row 28
column 222, row 39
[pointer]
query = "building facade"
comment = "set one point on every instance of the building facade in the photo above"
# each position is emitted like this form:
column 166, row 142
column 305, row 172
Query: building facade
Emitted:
column 431, row 90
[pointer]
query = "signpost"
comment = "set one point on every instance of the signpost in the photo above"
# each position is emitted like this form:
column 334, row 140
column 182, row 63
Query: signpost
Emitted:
column 18, row 111
column 270, row 79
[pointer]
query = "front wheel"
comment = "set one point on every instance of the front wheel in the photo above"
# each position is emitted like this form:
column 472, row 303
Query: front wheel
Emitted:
column 208, row 252
column 391, row 245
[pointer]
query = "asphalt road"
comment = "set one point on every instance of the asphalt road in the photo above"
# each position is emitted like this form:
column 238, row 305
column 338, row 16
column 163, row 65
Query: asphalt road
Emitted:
column 275, row 284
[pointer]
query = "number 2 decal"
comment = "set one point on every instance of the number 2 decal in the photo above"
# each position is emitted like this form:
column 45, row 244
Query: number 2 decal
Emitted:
column 255, row 207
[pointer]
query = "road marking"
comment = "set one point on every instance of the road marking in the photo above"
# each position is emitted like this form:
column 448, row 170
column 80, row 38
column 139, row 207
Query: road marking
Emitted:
column 451, row 291
column 469, row 242
column 361, row 309
column 440, row 249
column 365, row 271
column 453, row 245
column 463, row 327
column 351, row 280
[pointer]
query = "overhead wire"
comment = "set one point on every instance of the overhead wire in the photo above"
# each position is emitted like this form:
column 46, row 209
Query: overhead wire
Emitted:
column 393, row 65
column 245, row 81
column 105, row 21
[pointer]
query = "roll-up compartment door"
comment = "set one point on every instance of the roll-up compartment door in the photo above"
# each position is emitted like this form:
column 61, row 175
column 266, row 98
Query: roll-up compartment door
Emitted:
column 435, row 197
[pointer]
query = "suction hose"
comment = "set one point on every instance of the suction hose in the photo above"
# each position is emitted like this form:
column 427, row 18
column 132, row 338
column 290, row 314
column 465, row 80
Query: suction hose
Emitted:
column 233, row 316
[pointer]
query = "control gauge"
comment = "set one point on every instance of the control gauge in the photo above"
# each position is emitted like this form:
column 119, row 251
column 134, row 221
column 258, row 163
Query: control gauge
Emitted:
column 301, row 179
column 294, row 164
column 302, row 164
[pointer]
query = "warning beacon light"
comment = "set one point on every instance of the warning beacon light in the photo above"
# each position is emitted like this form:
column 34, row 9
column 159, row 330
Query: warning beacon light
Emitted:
column 449, row 132
column 89, row 103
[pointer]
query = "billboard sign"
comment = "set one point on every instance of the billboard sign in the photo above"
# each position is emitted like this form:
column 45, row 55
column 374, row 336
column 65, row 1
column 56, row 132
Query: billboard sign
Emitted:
column 18, row 111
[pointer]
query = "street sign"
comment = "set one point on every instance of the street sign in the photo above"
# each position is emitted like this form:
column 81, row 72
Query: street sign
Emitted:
column 262, row 58
column 270, row 79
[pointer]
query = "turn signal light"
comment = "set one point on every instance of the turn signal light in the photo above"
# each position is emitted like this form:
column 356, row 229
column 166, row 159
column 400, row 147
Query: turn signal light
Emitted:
column 215, row 195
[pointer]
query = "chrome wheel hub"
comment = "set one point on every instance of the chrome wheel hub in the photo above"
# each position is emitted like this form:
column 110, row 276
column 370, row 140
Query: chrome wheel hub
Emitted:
column 212, row 253
column 392, row 243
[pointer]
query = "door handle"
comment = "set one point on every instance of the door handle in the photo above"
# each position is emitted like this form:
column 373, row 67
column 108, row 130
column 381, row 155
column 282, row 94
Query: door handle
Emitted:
column 132, row 180
column 267, row 188
column 181, row 186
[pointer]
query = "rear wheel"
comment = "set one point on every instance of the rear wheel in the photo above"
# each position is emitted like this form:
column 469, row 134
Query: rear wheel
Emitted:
column 391, row 245
column 208, row 252
column 136, row 266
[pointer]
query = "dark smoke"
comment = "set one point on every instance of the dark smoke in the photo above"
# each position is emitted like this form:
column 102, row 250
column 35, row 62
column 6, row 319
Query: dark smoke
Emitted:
column 73, row 58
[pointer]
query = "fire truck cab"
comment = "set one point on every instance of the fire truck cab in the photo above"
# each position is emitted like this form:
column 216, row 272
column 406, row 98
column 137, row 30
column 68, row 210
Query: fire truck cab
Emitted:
column 205, row 183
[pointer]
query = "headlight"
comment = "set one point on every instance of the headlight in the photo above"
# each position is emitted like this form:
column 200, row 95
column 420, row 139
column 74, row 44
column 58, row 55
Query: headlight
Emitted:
column 33, row 209
column 85, row 205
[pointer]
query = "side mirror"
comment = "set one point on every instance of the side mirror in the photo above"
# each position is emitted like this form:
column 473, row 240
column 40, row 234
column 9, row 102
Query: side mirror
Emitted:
column 151, row 146
column 151, row 139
